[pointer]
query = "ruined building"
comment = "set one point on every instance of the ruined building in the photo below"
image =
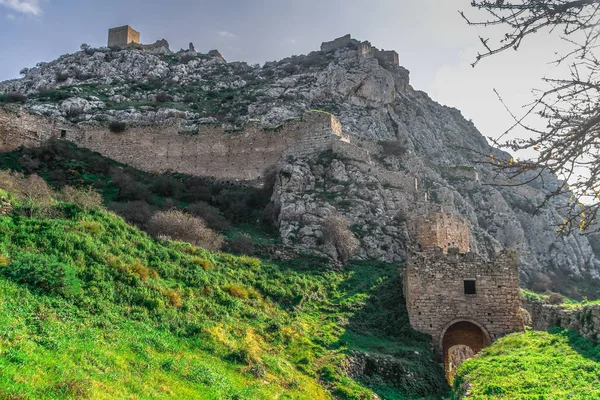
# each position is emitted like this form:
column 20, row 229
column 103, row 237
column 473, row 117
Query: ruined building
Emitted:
column 459, row 298
column 365, row 49
column 122, row 36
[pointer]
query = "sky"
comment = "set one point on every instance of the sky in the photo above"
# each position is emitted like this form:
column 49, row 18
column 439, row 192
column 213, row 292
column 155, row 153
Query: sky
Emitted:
column 433, row 41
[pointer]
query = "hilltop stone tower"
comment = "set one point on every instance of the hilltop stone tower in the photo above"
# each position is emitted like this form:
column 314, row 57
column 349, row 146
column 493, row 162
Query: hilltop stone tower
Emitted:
column 122, row 36
column 457, row 297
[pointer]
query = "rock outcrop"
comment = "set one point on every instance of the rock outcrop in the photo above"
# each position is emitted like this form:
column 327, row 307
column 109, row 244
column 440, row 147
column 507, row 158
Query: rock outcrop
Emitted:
column 374, row 190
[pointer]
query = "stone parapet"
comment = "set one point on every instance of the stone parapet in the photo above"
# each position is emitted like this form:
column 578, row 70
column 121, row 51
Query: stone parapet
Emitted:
column 585, row 320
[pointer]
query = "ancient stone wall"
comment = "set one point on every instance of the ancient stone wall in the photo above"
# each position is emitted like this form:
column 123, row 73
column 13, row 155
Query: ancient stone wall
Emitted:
column 442, row 230
column 338, row 43
column 585, row 320
column 462, row 172
column 436, row 298
column 364, row 49
column 122, row 36
column 388, row 56
column 213, row 151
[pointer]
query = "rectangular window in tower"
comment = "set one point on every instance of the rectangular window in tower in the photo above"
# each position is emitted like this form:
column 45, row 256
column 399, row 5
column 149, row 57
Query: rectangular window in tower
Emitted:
column 470, row 286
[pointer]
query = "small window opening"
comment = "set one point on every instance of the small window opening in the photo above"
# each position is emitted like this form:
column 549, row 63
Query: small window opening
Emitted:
column 470, row 287
column 63, row 134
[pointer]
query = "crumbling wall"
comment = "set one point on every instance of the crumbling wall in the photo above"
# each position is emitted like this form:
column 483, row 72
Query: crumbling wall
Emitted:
column 585, row 320
column 213, row 151
column 442, row 230
column 436, row 299
column 364, row 49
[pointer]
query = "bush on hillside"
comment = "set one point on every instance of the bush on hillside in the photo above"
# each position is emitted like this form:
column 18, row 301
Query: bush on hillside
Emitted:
column 166, row 186
column 241, row 244
column 129, row 189
column 210, row 215
column 163, row 97
column 178, row 225
column 86, row 198
column 14, row 97
column 336, row 231
column 556, row 298
column 117, row 126
column 393, row 148
column 135, row 212
column 33, row 192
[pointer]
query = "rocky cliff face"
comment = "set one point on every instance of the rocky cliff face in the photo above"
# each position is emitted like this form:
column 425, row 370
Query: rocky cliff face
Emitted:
column 374, row 101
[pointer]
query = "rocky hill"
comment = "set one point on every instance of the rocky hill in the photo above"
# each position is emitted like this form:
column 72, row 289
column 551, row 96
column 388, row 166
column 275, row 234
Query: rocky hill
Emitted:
column 373, row 99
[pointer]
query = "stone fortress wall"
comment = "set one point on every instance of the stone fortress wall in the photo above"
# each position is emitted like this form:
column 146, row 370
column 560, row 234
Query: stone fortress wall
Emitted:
column 365, row 49
column 215, row 152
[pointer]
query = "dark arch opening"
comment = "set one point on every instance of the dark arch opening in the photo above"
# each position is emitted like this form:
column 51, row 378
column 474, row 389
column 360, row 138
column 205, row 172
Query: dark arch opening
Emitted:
column 461, row 341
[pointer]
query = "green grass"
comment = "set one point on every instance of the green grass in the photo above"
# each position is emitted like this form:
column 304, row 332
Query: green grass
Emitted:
column 531, row 296
column 91, row 307
column 534, row 365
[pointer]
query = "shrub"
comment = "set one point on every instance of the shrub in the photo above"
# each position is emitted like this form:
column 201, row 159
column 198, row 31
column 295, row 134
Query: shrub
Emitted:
column 4, row 260
column 166, row 186
column 556, row 298
column 181, row 226
column 210, row 215
column 15, row 97
column 241, row 244
column 62, row 76
column 237, row 291
column 135, row 212
column 393, row 148
column 117, row 126
column 187, row 57
column 190, row 98
column 540, row 282
column 174, row 297
column 129, row 189
column 85, row 198
column 336, row 231
column 43, row 272
column 162, row 97
column 32, row 192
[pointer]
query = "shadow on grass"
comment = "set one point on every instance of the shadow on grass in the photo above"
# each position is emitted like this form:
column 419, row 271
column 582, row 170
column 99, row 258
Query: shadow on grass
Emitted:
column 586, row 347
column 399, row 362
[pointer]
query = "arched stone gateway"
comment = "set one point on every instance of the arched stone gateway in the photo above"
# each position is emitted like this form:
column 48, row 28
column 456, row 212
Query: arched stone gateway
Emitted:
column 469, row 334
column 461, row 299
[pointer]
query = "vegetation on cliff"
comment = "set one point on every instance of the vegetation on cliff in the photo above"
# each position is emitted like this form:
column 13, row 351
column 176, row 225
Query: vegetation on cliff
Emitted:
column 91, row 307
column 533, row 365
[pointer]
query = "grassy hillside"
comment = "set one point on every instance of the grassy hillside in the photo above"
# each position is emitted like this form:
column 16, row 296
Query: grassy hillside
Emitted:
column 534, row 365
column 91, row 307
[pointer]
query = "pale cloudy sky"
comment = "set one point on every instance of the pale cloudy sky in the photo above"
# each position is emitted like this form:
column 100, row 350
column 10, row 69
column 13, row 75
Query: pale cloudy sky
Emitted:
column 433, row 41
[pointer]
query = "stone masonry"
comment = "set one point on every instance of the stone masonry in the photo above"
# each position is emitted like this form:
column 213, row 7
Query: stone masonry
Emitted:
column 585, row 320
column 122, row 36
column 365, row 49
column 461, row 299
column 442, row 230
column 213, row 151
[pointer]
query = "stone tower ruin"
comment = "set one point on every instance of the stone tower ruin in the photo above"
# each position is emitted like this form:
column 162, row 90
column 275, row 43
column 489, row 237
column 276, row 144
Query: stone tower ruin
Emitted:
column 122, row 36
column 457, row 297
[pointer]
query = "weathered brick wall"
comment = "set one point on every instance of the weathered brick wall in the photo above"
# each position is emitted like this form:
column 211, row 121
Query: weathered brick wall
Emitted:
column 585, row 320
column 442, row 230
column 435, row 296
column 122, row 36
column 244, row 155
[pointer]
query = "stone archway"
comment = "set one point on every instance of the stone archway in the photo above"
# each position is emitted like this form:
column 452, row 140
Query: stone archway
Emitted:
column 463, row 333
